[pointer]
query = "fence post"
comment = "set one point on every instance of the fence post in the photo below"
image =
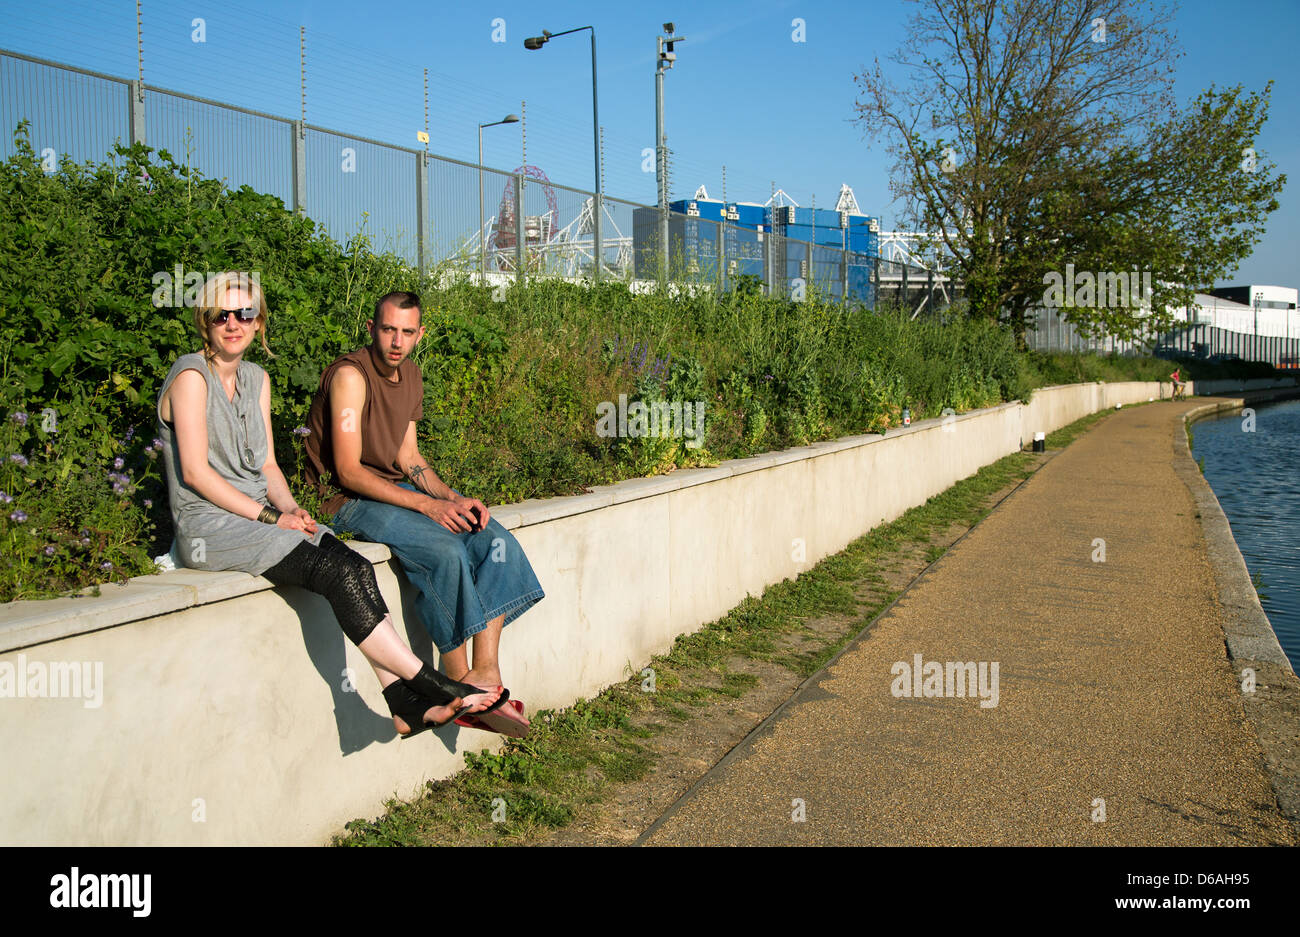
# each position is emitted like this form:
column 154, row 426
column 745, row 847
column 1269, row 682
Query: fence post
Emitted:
column 722, row 255
column 299, row 166
column 844, row 277
column 597, row 237
column 422, row 211
column 520, row 273
column 775, row 264
column 662, row 228
column 135, row 110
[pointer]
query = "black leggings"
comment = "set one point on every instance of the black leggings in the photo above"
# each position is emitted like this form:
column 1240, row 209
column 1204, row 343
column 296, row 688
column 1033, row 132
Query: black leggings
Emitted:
column 345, row 578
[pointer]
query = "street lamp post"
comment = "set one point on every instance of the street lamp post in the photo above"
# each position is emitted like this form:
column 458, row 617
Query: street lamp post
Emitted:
column 536, row 42
column 482, row 248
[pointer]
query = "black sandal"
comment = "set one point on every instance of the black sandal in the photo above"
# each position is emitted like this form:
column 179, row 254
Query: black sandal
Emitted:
column 441, row 689
column 411, row 706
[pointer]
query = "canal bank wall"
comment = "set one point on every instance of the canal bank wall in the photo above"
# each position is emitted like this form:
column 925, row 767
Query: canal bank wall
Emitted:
column 1268, row 683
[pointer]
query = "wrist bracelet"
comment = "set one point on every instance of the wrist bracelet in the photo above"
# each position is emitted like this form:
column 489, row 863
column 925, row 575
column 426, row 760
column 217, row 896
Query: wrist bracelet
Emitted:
column 269, row 516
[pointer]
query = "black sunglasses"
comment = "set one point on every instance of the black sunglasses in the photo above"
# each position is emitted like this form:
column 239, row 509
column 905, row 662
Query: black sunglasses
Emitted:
column 245, row 315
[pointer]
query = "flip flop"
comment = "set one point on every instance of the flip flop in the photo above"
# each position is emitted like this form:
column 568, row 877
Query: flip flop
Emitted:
column 508, row 720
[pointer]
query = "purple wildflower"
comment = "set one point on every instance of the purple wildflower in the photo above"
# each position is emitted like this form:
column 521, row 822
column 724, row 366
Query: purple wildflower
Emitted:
column 118, row 463
column 49, row 550
column 130, row 433
column 19, row 459
column 18, row 516
column 302, row 431
column 148, row 505
column 106, row 566
column 158, row 444
column 120, row 482
column 19, row 417
column 6, row 497
column 85, row 541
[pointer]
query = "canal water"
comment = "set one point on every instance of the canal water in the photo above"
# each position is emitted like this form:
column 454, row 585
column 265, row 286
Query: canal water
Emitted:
column 1256, row 477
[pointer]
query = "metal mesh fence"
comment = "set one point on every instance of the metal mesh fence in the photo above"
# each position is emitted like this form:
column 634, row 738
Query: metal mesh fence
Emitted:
column 434, row 211
column 355, row 185
column 1049, row 331
column 427, row 209
column 1203, row 341
column 457, row 239
column 237, row 146
column 71, row 112
column 620, row 229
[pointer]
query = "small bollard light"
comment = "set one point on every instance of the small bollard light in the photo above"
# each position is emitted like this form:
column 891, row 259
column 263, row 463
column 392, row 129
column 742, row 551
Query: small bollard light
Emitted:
column 907, row 417
column 1040, row 442
column 1118, row 405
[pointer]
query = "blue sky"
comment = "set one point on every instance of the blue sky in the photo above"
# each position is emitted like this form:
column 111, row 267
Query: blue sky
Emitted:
column 744, row 94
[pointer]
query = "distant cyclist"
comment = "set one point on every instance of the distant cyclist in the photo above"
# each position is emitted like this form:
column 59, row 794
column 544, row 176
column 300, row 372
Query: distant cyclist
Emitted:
column 1179, row 384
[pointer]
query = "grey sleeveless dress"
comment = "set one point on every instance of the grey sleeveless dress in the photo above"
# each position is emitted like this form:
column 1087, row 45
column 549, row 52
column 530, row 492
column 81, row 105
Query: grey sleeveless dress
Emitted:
column 207, row 536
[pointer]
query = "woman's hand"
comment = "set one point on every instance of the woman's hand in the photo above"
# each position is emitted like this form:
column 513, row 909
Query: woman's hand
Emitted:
column 306, row 518
column 294, row 522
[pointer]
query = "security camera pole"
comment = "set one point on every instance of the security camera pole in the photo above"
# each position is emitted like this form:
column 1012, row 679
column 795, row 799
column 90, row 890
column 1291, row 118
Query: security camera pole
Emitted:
column 665, row 61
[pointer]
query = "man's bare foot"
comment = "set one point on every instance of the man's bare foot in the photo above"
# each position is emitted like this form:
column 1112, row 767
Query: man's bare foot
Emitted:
column 480, row 677
column 486, row 678
column 481, row 701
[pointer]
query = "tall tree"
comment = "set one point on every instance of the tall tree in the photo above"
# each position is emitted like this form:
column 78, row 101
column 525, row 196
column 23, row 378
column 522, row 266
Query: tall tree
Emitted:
column 1039, row 137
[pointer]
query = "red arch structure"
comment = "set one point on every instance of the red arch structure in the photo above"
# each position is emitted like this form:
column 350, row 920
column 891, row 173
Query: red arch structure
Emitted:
column 503, row 238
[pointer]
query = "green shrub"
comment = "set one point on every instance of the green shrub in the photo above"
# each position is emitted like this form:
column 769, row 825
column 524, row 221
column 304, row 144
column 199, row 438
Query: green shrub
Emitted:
column 511, row 386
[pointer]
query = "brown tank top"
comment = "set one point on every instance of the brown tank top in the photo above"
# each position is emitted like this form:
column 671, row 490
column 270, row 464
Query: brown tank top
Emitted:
column 390, row 408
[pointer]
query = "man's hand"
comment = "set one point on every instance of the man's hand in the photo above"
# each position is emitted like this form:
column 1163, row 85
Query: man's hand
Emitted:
column 454, row 515
column 469, row 505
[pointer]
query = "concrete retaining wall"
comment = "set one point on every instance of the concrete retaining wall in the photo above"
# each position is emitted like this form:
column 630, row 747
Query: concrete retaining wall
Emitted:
column 226, row 711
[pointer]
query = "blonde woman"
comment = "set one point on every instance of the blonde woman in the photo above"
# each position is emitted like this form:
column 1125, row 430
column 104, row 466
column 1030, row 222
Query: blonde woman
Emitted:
column 232, row 509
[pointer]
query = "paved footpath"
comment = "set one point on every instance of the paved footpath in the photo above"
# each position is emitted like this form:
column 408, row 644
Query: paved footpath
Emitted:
column 1115, row 692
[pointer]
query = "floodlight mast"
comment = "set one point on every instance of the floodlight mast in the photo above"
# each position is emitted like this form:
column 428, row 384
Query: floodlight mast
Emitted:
column 663, row 61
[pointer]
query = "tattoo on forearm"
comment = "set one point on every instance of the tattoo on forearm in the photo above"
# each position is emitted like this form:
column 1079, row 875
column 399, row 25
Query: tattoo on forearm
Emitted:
column 416, row 473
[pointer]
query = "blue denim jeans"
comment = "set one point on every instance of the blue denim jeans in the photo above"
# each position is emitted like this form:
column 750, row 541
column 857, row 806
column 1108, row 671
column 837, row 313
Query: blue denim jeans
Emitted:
column 463, row 580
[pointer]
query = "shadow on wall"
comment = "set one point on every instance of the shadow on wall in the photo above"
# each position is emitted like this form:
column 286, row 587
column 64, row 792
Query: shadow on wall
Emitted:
column 358, row 725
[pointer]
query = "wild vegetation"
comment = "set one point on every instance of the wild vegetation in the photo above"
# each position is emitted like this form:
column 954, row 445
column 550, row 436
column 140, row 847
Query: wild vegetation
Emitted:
column 93, row 267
